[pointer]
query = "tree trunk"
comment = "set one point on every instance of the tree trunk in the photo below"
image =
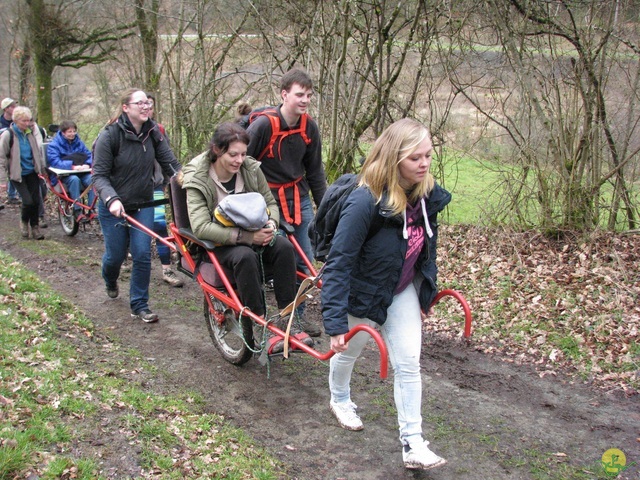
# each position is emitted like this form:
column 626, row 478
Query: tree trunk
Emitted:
column 44, row 109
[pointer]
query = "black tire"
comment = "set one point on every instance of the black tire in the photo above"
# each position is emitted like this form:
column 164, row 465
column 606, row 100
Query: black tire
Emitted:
column 233, row 339
column 67, row 221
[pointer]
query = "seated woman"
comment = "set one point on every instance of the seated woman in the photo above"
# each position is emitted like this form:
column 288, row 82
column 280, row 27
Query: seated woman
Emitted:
column 68, row 152
column 225, row 170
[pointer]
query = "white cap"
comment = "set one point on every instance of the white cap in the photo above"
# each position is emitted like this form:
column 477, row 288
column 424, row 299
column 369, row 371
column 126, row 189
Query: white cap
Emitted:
column 7, row 102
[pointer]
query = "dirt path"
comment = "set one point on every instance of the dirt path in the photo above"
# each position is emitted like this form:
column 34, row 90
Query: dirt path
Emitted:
column 490, row 419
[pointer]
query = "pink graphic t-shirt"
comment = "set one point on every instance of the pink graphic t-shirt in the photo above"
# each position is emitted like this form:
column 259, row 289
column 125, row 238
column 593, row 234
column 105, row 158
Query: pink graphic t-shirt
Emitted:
column 415, row 231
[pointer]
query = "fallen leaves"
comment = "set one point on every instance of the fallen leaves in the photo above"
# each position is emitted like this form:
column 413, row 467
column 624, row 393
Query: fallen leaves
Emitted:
column 570, row 305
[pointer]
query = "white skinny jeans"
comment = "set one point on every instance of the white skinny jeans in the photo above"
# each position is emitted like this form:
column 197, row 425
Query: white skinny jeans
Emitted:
column 402, row 333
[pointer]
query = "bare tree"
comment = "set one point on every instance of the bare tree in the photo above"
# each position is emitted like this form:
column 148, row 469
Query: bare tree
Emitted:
column 147, row 23
column 546, row 84
column 369, row 61
column 208, row 70
column 64, row 34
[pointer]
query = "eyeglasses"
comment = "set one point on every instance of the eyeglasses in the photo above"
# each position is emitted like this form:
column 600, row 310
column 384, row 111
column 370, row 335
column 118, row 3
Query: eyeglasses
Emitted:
column 142, row 104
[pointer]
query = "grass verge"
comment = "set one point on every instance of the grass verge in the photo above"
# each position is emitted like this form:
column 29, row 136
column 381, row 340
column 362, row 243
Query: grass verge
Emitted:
column 74, row 405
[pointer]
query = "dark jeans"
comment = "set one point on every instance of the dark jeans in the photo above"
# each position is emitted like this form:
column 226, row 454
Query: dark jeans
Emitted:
column 29, row 190
column 160, row 227
column 244, row 262
column 118, row 238
column 301, row 233
column 76, row 184
column 43, row 197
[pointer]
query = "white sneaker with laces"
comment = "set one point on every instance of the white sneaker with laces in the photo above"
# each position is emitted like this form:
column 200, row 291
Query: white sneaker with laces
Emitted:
column 346, row 415
column 418, row 456
column 171, row 278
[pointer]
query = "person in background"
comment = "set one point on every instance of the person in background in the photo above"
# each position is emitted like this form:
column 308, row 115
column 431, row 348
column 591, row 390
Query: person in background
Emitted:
column 225, row 169
column 41, row 137
column 387, row 278
column 243, row 110
column 67, row 151
column 123, row 168
column 21, row 162
column 8, row 105
column 296, row 167
column 159, row 212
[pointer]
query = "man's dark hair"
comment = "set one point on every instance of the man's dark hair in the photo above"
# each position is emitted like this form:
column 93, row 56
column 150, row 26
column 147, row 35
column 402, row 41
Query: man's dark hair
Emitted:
column 295, row 75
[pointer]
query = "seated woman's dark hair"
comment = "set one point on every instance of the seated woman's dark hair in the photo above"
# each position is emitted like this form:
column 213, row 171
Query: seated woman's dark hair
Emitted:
column 66, row 125
column 225, row 135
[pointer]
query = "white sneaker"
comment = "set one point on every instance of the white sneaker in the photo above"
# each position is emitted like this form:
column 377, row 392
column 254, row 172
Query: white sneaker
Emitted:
column 346, row 415
column 171, row 278
column 418, row 456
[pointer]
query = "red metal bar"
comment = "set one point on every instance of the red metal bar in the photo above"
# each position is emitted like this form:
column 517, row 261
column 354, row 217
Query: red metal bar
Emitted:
column 302, row 255
column 65, row 196
column 326, row 356
column 465, row 306
column 376, row 337
column 148, row 231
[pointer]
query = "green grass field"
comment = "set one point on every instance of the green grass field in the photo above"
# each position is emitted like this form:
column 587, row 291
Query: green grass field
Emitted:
column 472, row 186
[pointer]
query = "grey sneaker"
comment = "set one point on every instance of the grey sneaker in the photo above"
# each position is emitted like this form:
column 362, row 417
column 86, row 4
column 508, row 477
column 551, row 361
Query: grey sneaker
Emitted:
column 146, row 316
column 346, row 415
column 171, row 278
column 418, row 456
column 113, row 292
column 310, row 328
column 275, row 344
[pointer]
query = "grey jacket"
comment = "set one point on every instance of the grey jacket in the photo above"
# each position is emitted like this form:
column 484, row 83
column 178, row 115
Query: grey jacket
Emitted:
column 10, row 160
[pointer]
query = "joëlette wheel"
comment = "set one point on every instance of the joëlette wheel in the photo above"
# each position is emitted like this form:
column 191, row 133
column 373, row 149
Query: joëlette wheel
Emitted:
column 67, row 221
column 233, row 338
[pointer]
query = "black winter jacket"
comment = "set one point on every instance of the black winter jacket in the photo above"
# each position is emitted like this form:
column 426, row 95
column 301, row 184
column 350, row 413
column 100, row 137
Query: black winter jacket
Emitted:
column 127, row 173
column 361, row 273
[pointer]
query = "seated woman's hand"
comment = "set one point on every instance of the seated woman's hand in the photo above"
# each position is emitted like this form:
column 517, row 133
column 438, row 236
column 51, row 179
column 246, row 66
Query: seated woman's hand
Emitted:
column 263, row 236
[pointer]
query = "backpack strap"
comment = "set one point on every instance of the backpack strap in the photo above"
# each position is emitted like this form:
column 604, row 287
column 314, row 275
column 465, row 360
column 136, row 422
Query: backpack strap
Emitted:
column 303, row 128
column 11, row 134
column 297, row 219
column 114, row 142
column 274, row 120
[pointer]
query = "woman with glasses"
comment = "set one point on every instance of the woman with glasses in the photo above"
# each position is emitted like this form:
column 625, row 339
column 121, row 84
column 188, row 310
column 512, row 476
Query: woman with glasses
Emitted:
column 123, row 168
column 21, row 160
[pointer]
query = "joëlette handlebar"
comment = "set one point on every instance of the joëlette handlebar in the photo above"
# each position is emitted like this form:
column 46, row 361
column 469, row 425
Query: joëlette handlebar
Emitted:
column 382, row 347
column 167, row 241
column 465, row 307
column 376, row 337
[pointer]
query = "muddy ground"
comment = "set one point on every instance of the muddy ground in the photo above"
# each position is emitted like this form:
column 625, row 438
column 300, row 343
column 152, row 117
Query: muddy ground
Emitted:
column 489, row 418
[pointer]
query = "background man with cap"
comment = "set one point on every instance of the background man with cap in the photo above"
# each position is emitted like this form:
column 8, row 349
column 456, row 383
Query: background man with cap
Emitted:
column 8, row 105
